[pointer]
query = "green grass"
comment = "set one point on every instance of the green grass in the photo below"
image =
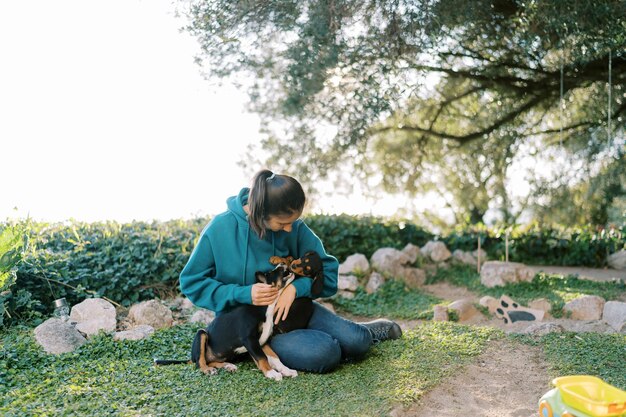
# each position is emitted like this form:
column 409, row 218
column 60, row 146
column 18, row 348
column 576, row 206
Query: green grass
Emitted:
column 557, row 289
column 601, row 355
column 393, row 300
column 117, row 378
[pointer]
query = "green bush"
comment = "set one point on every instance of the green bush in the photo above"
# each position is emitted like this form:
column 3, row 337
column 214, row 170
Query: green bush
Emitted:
column 125, row 263
column 344, row 235
column 131, row 262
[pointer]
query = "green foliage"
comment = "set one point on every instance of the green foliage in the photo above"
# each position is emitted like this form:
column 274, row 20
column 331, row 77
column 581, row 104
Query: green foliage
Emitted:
column 415, row 91
column 344, row 235
column 13, row 242
column 596, row 354
column 542, row 245
column 127, row 263
column 393, row 300
column 556, row 289
column 123, row 262
column 106, row 377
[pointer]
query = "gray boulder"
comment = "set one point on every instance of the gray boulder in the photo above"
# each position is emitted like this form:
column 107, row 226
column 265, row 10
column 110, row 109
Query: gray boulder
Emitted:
column 136, row 333
column 152, row 313
column 57, row 336
column 389, row 260
column 353, row 264
column 497, row 273
column 93, row 315
column 588, row 307
column 614, row 314
column 436, row 251
column 617, row 260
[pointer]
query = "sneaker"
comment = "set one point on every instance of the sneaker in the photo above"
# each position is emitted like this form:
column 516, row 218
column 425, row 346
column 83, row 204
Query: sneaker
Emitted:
column 383, row 329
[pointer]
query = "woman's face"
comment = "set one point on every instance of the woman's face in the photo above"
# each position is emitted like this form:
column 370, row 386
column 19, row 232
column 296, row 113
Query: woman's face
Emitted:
column 282, row 222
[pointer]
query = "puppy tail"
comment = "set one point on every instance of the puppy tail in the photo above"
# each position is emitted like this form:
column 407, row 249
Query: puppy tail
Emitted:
column 160, row 362
column 199, row 346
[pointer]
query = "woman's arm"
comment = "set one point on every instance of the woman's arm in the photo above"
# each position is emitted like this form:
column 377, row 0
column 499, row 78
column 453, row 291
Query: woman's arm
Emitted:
column 199, row 283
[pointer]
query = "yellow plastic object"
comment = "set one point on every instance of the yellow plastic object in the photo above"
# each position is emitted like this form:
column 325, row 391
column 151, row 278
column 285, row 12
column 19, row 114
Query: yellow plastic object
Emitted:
column 591, row 395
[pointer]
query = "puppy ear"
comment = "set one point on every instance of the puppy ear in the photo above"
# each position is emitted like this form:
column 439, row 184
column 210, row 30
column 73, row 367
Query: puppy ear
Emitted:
column 318, row 284
column 260, row 276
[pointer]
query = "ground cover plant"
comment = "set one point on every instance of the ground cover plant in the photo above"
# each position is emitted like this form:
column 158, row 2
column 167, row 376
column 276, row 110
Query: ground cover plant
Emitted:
column 108, row 377
column 393, row 299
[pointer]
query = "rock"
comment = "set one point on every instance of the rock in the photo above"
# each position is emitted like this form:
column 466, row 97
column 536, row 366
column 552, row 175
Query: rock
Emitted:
column 412, row 251
column 614, row 314
column 413, row 277
column 136, row 333
column 92, row 315
column 542, row 329
column 497, row 273
column 541, row 304
column 587, row 326
column 346, row 294
column 588, row 307
column 57, row 336
column 490, row 302
column 186, row 304
column 463, row 257
column 483, row 255
column 617, row 260
column 354, row 264
column 202, row 316
column 437, row 251
column 374, row 283
column 389, row 260
column 464, row 308
column 440, row 313
column 152, row 313
column 347, row 282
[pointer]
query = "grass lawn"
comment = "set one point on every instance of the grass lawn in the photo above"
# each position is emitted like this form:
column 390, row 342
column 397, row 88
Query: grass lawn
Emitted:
column 107, row 377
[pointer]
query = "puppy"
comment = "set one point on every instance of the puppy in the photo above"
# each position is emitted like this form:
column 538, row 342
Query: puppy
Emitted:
column 309, row 265
column 245, row 328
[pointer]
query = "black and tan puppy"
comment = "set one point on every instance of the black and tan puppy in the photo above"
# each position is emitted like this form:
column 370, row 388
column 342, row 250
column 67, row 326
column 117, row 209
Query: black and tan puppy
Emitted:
column 244, row 328
column 309, row 265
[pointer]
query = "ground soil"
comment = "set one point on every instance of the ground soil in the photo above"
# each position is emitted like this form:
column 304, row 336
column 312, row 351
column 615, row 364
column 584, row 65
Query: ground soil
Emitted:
column 506, row 380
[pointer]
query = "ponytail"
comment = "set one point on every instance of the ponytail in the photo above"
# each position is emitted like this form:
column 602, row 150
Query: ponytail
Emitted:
column 273, row 195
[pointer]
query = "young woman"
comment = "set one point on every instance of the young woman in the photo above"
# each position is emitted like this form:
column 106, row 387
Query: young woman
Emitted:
column 261, row 222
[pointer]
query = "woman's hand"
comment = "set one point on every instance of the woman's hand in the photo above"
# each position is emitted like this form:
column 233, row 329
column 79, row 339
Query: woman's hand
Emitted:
column 284, row 303
column 263, row 294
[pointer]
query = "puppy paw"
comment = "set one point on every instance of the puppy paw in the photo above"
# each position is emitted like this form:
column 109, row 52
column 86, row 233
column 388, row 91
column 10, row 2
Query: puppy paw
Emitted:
column 230, row 367
column 275, row 260
column 292, row 373
column 272, row 374
column 209, row 371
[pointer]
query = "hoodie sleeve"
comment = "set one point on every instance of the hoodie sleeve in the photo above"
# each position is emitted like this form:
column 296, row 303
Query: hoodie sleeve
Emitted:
column 307, row 240
column 199, row 284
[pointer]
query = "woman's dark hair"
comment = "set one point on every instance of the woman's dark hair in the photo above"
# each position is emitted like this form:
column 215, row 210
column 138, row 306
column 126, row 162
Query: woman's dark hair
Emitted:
column 273, row 195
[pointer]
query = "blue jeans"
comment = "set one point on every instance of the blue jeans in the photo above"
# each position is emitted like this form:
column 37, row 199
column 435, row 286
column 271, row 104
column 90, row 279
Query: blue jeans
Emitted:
column 323, row 344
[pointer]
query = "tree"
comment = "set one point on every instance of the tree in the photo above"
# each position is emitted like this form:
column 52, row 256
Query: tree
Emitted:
column 501, row 69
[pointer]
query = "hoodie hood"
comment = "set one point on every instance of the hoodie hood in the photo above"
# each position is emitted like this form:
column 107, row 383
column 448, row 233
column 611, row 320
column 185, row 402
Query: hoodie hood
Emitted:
column 235, row 206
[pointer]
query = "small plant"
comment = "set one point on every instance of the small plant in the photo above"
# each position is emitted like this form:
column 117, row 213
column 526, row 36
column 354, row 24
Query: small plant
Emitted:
column 13, row 242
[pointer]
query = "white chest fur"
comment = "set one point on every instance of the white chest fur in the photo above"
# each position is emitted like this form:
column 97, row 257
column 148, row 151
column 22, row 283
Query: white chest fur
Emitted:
column 267, row 327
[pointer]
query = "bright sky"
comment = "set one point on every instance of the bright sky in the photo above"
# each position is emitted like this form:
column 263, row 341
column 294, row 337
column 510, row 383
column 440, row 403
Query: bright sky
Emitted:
column 104, row 115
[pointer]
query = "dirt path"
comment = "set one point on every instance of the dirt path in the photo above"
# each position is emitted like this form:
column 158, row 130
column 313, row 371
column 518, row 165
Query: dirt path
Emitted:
column 595, row 274
column 504, row 381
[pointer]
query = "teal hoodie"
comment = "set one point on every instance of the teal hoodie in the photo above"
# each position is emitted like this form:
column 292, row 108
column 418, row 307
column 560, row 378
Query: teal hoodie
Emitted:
column 220, row 272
